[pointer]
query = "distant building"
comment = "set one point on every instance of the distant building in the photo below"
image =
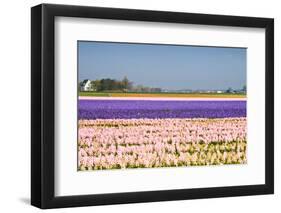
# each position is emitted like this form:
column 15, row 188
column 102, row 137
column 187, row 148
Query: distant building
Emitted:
column 85, row 85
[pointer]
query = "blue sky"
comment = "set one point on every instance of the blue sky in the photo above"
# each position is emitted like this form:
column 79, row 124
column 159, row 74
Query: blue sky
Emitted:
column 166, row 66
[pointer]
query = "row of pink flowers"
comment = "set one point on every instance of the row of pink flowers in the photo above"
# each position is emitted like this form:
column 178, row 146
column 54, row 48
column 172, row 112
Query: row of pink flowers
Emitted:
column 123, row 143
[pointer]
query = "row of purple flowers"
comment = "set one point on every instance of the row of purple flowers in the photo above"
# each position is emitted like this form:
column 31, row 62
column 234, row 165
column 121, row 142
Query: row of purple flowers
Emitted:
column 128, row 109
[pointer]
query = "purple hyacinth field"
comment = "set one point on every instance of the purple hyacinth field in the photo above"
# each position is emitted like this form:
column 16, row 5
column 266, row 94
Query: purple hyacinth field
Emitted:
column 122, row 134
column 127, row 109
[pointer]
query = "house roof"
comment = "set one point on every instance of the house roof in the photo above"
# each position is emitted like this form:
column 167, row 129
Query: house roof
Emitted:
column 85, row 82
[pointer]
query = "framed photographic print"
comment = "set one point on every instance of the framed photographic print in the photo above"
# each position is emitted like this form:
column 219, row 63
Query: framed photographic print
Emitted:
column 139, row 106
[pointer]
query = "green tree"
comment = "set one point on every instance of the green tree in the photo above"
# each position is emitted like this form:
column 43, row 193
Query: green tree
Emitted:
column 125, row 82
column 229, row 90
column 96, row 85
column 244, row 89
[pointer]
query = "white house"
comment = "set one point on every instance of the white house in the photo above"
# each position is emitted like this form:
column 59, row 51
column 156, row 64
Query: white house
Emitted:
column 86, row 85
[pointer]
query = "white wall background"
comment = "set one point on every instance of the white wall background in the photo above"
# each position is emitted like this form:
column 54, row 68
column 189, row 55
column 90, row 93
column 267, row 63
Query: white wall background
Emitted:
column 15, row 105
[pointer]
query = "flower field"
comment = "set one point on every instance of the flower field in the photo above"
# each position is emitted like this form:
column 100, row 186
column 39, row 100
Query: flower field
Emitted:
column 127, row 109
column 114, row 134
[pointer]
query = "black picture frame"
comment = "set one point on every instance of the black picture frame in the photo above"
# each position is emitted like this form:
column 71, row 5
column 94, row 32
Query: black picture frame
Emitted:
column 43, row 111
